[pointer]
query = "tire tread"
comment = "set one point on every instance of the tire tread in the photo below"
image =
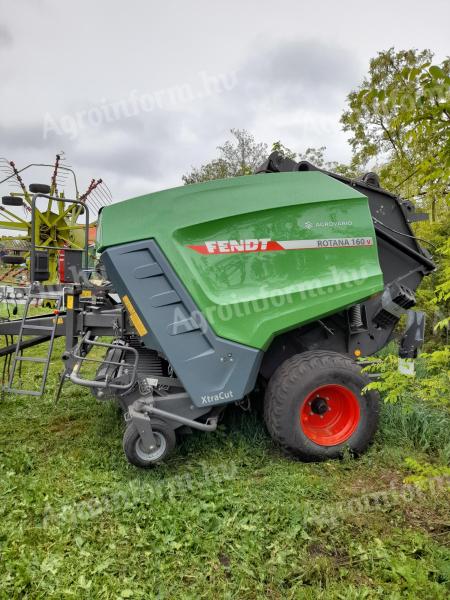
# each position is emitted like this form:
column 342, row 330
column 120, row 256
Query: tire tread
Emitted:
column 288, row 374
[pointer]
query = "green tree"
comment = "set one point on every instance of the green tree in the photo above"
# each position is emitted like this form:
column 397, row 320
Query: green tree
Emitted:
column 316, row 156
column 400, row 118
column 284, row 150
column 242, row 155
column 239, row 156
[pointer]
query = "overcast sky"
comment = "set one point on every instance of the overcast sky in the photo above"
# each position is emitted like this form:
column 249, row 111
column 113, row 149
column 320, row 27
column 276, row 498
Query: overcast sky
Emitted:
column 137, row 92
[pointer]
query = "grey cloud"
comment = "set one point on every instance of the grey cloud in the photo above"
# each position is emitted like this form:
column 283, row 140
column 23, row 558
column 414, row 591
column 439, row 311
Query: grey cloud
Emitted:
column 309, row 77
column 18, row 137
column 311, row 63
column 288, row 87
column 147, row 146
column 6, row 38
column 304, row 83
column 299, row 74
column 161, row 145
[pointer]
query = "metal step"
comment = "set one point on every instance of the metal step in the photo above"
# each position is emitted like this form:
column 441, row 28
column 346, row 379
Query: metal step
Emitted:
column 24, row 331
column 46, row 296
column 31, row 359
column 24, row 392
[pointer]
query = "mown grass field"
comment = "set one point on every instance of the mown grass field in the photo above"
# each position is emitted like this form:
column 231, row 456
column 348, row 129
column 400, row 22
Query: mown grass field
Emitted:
column 228, row 516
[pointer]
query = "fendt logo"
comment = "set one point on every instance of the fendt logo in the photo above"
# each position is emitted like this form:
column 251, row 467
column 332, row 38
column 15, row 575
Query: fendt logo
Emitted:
column 231, row 246
column 268, row 245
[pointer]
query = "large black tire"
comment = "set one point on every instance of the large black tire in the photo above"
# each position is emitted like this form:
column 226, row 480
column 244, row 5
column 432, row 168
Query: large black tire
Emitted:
column 314, row 406
column 13, row 260
column 137, row 456
column 12, row 201
column 39, row 188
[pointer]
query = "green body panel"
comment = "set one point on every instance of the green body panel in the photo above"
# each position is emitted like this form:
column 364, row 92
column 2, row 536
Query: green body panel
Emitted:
column 250, row 296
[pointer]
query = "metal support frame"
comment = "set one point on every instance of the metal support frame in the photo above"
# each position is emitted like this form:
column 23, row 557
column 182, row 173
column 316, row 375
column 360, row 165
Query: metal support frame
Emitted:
column 210, row 425
column 141, row 413
column 414, row 334
column 92, row 383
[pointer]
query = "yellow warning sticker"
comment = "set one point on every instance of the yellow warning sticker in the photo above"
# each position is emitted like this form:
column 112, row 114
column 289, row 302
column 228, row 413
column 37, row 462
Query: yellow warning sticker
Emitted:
column 86, row 294
column 135, row 319
column 69, row 303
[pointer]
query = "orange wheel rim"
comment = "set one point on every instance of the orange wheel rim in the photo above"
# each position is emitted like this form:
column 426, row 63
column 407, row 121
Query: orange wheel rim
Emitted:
column 330, row 414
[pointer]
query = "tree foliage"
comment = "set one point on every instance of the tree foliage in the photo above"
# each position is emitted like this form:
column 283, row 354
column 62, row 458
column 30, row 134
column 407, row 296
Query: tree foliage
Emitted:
column 430, row 385
column 284, row 150
column 316, row 156
column 400, row 118
column 242, row 155
column 238, row 156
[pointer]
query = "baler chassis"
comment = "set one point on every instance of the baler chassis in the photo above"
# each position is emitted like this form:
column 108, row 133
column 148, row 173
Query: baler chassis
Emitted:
column 170, row 373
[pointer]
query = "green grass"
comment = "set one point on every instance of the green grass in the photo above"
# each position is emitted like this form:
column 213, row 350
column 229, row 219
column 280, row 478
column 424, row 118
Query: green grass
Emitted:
column 228, row 516
column 13, row 310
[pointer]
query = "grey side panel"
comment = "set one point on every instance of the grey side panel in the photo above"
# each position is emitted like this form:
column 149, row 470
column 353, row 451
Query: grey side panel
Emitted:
column 213, row 370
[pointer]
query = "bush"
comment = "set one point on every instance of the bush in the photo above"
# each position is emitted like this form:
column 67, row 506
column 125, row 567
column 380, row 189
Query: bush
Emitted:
column 430, row 386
